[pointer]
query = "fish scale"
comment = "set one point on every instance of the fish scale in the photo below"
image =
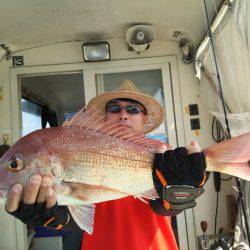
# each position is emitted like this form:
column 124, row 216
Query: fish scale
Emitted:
column 114, row 169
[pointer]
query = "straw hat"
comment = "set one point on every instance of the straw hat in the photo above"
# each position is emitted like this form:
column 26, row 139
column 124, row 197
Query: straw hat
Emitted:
column 128, row 90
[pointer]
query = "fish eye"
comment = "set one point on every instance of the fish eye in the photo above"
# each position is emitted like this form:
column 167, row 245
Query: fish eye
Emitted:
column 15, row 164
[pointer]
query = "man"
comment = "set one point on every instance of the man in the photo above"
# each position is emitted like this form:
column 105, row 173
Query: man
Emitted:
column 126, row 223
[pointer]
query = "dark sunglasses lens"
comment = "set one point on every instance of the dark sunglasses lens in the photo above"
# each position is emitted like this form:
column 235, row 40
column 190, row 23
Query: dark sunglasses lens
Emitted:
column 133, row 109
column 114, row 109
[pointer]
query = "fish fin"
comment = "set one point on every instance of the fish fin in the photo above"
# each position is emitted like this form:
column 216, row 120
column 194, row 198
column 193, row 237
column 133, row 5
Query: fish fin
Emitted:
column 241, row 170
column 230, row 157
column 235, row 150
column 82, row 118
column 150, row 195
column 92, row 120
column 83, row 216
column 82, row 194
column 66, row 123
column 141, row 199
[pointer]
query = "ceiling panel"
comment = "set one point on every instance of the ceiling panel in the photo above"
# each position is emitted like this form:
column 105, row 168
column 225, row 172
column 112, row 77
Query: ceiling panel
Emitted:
column 33, row 22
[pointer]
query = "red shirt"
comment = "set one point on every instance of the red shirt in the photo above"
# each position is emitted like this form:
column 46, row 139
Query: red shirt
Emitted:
column 129, row 224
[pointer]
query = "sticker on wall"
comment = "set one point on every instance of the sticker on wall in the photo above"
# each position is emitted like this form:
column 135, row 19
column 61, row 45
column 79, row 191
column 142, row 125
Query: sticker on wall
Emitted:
column 17, row 61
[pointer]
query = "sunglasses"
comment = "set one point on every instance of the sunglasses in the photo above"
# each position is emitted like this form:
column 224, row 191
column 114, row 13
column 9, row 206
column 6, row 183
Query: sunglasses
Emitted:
column 130, row 109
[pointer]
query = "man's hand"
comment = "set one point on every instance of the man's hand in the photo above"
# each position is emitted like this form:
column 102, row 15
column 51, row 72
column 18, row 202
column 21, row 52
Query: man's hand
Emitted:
column 182, row 166
column 37, row 190
column 35, row 204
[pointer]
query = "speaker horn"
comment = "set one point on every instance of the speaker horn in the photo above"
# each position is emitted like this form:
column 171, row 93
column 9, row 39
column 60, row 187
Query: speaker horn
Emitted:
column 140, row 37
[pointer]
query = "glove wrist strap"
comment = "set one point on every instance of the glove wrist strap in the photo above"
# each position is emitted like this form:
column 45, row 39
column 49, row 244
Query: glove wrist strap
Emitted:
column 180, row 196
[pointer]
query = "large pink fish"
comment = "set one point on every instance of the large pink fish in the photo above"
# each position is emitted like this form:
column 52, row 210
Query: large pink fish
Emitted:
column 92, row 161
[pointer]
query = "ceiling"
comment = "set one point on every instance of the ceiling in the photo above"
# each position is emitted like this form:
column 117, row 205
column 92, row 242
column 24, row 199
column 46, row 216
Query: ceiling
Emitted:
column 29, row 23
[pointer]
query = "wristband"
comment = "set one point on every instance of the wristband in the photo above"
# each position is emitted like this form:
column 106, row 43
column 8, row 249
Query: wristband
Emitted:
column 180, row 196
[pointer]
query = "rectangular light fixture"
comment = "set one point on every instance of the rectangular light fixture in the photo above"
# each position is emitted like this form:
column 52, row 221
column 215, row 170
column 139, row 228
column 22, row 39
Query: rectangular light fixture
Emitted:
column 96, row 51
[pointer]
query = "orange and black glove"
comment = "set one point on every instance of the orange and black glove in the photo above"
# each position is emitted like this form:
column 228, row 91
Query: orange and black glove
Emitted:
column 178, row 177
column 37, row 214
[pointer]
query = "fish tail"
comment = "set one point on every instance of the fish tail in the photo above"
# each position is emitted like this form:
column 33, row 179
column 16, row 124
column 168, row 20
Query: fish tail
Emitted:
column 230, row 157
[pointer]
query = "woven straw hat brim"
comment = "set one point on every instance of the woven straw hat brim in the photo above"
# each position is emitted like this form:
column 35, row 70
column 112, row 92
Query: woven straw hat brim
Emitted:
column 155, row 111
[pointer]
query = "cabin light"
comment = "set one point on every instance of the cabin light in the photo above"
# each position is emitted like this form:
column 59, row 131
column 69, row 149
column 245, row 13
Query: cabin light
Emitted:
column 96, row 51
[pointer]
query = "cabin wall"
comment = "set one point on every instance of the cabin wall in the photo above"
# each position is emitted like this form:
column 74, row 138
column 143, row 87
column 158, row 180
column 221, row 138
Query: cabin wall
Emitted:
column 71, row 52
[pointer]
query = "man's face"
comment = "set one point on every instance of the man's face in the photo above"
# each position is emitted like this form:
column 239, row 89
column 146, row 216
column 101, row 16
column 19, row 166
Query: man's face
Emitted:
column 127, row 114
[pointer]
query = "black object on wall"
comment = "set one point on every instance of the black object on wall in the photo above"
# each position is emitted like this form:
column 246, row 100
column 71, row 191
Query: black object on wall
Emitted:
column 49, row 116
column 195, row 123
column 193, row 109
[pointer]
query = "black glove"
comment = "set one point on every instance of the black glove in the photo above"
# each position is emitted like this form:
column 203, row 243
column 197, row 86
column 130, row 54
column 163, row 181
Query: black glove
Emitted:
column 37, row 214
column 186, row 172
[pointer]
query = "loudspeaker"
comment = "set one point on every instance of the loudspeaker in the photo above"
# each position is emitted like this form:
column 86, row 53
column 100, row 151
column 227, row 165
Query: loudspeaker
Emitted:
column 140, row 37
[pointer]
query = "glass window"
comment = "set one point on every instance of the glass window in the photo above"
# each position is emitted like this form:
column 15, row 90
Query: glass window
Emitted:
column 148, row 81
column 31, row 117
